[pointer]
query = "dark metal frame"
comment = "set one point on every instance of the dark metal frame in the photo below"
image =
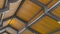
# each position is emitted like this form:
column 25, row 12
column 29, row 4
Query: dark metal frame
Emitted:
column 5, row 8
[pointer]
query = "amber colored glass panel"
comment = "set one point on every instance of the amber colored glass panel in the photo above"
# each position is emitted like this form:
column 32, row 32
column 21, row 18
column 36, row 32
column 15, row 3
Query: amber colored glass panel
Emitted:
column 52, row 3
column 28, row 10
column 38, row 15
column 2, row 2
column 46, row 25
column 56, row 11
column 17, row 24
column 44, row 1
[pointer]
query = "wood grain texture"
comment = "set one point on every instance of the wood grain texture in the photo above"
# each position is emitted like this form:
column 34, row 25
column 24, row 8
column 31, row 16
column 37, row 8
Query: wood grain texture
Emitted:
column 44, row 1
column 17, row 24
column 35, row 17
column 56, row 11
column 52, row 3
column 28, row 10
column 46, row 25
